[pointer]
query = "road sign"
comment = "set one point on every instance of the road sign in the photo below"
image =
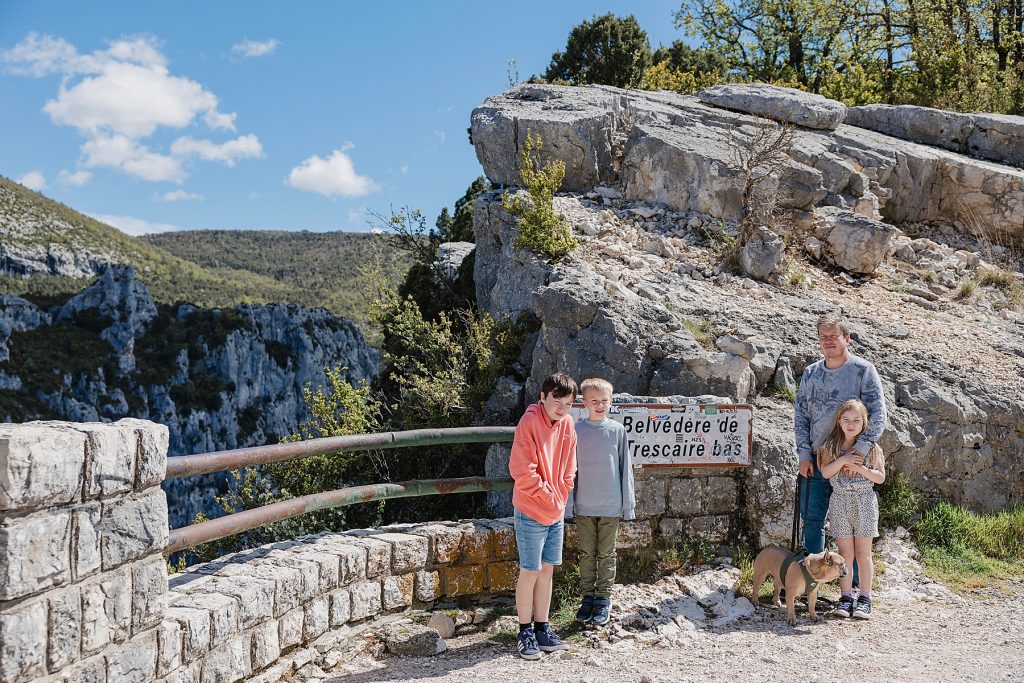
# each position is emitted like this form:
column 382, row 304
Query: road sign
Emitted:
column 698, row 435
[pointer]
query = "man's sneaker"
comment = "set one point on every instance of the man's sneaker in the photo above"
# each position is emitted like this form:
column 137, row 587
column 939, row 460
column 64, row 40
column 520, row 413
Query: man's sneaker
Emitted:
column 845, row 607
column 549, row 641
column 863, row 609
column 586, row 609
column 527, row 645
column 601, row 609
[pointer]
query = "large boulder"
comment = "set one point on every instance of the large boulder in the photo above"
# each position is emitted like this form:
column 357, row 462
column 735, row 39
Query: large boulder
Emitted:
column 854, row 242
column 998, row 137
column 576, row 126
column 763, row 254
column 787, row 105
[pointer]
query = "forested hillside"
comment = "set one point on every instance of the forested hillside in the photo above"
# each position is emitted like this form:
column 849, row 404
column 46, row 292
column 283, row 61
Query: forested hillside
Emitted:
column 326, row 269
column 48, row 250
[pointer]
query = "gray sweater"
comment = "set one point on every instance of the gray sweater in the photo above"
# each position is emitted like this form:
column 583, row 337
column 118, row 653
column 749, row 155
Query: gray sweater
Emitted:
column 821, row 393
column 604, row 477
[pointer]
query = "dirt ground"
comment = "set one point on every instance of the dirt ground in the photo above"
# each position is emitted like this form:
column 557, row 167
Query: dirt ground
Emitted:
column 919, row 631
column 979, row 639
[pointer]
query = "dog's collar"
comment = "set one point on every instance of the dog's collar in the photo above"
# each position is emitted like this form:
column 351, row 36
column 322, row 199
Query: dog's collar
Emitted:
column 798, row 557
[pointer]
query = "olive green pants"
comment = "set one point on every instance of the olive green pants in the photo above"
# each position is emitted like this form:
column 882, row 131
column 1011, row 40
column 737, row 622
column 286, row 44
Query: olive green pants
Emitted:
column 597, row 554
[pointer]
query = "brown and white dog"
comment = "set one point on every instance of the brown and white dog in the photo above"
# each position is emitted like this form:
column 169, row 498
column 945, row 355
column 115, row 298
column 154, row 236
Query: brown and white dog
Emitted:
column 822, row 567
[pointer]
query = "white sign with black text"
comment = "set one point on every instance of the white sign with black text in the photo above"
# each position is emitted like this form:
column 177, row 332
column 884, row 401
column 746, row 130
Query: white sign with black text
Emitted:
column 698, row 435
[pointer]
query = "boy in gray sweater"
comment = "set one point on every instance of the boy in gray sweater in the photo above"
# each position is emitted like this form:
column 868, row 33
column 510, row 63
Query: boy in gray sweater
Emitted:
column 603, row 494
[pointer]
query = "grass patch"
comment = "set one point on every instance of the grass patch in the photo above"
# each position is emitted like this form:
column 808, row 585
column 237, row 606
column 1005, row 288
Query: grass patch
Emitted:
column 703, row 331
column 565, row 599
column 898, row 502
column 968, row 550
column 1006, row 282
column 968, row 288
column 743, row 559
column 785, row 393
column 507, row 635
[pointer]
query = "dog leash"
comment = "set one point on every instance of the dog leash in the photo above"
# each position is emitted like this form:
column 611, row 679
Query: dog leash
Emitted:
column 794, row 539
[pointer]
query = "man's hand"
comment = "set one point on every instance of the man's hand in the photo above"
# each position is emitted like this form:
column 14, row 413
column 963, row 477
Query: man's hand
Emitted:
column 807, row 468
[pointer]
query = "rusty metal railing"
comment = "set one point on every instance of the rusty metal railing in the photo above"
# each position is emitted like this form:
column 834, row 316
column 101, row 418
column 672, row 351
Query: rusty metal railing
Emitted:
column 229, row 525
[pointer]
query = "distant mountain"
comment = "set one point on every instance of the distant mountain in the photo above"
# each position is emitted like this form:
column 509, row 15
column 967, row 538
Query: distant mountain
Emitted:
column 318, row 268
column 49, row 251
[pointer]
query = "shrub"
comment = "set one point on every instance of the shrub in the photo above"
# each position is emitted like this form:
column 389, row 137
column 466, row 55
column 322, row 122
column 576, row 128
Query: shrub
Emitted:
column 540, row 228
column 898, row 502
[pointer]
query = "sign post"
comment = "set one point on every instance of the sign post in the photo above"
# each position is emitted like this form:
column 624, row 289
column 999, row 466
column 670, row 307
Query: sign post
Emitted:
column 696, row 435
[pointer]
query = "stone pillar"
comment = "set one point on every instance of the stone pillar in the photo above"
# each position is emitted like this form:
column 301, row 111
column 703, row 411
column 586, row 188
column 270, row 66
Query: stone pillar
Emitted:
column 83, row 522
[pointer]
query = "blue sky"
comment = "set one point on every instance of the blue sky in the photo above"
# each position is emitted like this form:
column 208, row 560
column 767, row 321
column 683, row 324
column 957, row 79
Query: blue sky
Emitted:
column 264, row 115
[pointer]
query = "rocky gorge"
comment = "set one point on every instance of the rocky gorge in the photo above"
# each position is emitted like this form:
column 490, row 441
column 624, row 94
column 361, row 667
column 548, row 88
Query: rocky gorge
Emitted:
column 886, row 230
column 219, row 379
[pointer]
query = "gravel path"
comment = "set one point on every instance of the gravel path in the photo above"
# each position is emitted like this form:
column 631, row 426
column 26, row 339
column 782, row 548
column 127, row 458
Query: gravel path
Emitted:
column 918, row 632
column 977, row 640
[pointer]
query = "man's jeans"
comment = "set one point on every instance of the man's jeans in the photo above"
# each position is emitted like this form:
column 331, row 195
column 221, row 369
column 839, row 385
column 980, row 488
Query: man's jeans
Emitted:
column 813, row 508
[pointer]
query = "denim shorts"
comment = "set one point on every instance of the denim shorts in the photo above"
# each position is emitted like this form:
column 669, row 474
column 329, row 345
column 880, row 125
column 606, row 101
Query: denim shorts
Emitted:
column 537, row 542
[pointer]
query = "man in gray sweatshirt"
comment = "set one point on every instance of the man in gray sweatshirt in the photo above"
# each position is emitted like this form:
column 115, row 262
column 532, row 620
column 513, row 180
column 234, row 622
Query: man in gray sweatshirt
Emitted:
column 823, row 387
column 603, row 494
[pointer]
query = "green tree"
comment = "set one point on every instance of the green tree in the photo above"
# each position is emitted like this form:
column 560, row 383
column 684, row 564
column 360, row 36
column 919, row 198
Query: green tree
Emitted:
column 541, row 229
column 682, row 57
column 805, row 41
column 609, row 50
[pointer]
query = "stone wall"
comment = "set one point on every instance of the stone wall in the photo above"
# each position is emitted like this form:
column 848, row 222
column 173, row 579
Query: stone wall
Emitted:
column 82, row 525
column 84, row 591
column 672, row 504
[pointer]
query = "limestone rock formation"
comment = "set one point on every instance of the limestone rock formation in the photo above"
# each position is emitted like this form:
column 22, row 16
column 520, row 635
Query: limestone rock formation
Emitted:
column 780, row 104
column 998, row 137
column 647, row 301
column 217, row 379
column 680, row 152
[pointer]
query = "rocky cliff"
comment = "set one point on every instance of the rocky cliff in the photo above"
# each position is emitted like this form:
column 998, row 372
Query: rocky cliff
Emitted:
column 222, row 378
column 875, row 226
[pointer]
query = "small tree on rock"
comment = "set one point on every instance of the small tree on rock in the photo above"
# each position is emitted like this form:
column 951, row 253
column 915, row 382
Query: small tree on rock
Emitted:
column 609, row 50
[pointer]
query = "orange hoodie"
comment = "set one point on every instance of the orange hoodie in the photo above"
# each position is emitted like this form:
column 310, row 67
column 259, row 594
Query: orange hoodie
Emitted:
column 543, row 465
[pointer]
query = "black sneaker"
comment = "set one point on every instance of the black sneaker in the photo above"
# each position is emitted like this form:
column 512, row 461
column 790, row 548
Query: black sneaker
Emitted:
column 863, row 609
column 527, row 645
column 586, row 609
column 549, row 641
column 602, row 606
column 845, row 607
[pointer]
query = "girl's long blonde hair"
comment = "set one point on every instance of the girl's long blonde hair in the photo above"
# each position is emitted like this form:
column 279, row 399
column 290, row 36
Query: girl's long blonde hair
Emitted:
column 832, row 447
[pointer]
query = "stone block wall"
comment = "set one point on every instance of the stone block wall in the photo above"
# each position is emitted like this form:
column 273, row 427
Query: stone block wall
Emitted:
column 83, row 522
column 675, row 503
column 85, row 595
column 235, row 617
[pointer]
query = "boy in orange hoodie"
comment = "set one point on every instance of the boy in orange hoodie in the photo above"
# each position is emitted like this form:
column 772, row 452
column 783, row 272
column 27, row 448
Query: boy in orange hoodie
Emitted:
column 543, row 465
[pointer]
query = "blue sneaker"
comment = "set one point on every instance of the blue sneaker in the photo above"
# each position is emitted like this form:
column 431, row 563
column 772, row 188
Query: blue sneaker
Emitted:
column 527, row 645
column 601, row 611
column 549, row 641
column 863, row 608
column 586, row 609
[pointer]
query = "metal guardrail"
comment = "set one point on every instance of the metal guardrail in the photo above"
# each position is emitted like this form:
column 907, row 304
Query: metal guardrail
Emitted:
column 221, row 461
column 229, row 525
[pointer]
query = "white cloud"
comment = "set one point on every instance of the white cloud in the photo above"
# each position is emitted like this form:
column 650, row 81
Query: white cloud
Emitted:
column 253, row 48
column 33, row 180
column 404, row 168
column 244, row 147
column 119, row 96
column 133, row 226
column 133, row 100
column 118, row 151
column 77, row 179
column 181, row 196
column 330, row 177
column 440, row 135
